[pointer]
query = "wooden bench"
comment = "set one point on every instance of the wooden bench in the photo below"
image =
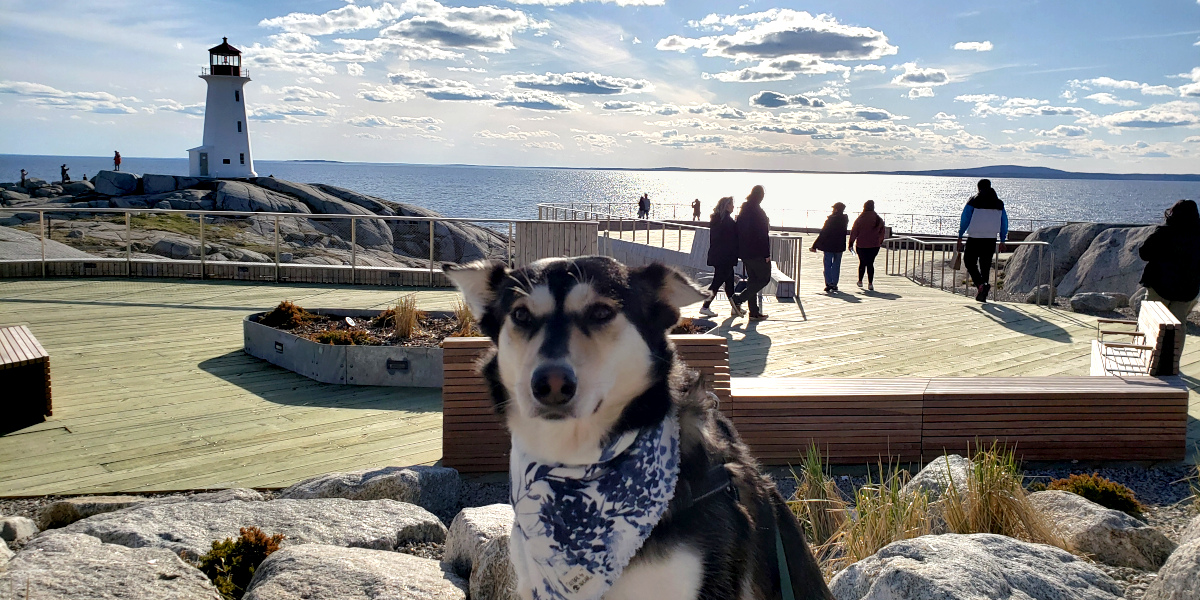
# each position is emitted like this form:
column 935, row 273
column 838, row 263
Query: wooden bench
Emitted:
column 473, row 438
column 24, row 377
column 1151, row 345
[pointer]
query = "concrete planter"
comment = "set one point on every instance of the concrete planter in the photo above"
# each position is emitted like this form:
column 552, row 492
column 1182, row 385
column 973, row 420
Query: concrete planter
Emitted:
column 397, row 366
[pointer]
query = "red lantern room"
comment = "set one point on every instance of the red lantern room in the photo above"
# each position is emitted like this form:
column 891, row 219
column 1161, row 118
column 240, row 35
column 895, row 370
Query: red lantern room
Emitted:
column 225, row 59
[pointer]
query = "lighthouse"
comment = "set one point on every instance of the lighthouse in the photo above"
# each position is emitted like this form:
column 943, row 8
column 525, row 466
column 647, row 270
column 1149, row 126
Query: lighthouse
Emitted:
column 226, row 149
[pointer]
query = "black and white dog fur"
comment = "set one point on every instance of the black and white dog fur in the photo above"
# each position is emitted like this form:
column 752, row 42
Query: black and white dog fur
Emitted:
column 581, row 357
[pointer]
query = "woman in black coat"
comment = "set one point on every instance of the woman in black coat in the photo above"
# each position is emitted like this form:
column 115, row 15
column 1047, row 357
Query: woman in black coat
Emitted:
column 1172, row 255
column 722, row 254
column 832, row 241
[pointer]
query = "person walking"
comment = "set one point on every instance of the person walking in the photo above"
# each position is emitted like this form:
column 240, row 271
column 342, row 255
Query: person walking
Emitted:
column 116, row 160
column 754, row 248
column 722, row 254
column 869, row 231
column 696, row 208
column 983, row 218
column 1172, row 255
column 832, row 241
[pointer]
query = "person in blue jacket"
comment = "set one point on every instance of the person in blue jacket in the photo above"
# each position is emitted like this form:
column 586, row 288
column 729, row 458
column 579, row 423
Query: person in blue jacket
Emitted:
column 983, row 219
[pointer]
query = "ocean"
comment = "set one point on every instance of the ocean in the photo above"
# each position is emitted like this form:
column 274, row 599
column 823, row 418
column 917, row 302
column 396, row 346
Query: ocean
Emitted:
column 792, row 199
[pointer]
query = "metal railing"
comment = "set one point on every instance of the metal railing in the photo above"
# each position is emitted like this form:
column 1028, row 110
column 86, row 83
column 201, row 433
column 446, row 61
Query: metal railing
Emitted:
column 609, row 223
column 331, row 226
column 923, row 223
column 924, row 261
column 243, row 71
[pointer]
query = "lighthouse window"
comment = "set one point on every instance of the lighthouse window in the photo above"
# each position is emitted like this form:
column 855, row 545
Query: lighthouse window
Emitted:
column 225, row 161
column 237, row 96
column 242, row 158
column 239, row 126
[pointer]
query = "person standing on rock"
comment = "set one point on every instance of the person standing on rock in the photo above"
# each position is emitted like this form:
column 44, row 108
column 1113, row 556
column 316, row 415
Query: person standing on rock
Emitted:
column 65, row 177
column 722, row 254
column 832, row 241
column 696, row 208
column 868, row 231
column 1172, row 255
column 116, row 160
column 983, row 218
column 23, row 174
column 754, row 248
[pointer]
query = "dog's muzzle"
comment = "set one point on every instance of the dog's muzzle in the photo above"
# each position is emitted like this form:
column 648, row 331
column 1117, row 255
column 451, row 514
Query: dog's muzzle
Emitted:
column 553, row 387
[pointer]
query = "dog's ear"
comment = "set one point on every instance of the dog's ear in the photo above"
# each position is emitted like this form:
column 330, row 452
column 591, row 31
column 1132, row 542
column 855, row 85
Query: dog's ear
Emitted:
column 478, row 281
column 670, row 285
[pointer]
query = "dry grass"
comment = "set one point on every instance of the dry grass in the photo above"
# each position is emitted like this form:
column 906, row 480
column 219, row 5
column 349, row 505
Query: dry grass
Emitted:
column 883, row 513
column 466, row 322
column 406, row 317
column 993, row 500
column 820, row 508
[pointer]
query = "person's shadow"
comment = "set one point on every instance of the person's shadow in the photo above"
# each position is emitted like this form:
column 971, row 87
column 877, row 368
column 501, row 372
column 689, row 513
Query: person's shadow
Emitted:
column 748, row 356
column 881, row 295
column 845, row 297
column 1025, row 323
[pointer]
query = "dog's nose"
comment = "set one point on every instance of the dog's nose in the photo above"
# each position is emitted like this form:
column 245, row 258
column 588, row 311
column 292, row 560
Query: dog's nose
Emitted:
column 554, row 385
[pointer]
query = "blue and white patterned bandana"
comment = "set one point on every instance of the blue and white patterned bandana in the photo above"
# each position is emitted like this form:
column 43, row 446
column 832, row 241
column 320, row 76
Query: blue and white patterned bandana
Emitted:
column 578, row 526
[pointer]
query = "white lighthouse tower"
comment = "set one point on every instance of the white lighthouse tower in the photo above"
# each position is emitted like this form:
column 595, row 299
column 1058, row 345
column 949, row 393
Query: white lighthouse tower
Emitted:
column 226, row 149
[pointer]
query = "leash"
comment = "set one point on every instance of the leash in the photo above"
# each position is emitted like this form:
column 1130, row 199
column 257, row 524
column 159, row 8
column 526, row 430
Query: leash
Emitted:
column 785, row 577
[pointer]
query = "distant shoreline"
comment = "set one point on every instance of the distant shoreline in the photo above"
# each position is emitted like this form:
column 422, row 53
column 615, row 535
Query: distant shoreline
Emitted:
column 994, row 171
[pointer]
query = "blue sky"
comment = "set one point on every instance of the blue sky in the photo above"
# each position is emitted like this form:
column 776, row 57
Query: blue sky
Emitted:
column 854, row 85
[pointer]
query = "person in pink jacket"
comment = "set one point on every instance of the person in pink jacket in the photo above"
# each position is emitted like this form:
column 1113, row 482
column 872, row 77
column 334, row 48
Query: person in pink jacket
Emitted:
column 868, row 231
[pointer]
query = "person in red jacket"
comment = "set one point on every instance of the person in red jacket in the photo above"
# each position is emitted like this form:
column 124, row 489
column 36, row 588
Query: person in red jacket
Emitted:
column 868, row 230
column 116, row 160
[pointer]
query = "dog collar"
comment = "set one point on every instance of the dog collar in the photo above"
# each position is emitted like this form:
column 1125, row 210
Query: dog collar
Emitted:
column 578, row 526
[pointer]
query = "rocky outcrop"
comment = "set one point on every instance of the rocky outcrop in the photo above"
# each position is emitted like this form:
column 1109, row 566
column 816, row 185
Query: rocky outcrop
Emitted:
column 13, row 529
column 369, row 233
column 1113, row 537
column 1094, row 302
column 78, row 188
column 1067, row 243
column 243, row 197
column 1110, row 264
column 189, row 528
column 20, row 245
column 433, row 488
column 70, row 510
column 114, row 183
column 977, row 566
column 81, row 567
column 471, row 530
column 321, row 571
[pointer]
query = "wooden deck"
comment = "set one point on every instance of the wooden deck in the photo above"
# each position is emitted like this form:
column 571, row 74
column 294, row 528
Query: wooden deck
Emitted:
column 153, row 392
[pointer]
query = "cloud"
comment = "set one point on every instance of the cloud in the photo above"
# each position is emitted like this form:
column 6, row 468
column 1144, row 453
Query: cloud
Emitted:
column 1018, row 107
column 439, row 89
column 483, row 28
column 423, row 123
column 915, row 76
column 976, row 46
column 580, row 83
column 778, row 33
column 1109, row 99
column 617, row 2
column 978, row 98
column 1158, row 90
column 768, row 99
column 1170, row 114
column 354, row 69
column 381, row 93
column 780, row 70
column 1064, row 131
column 296, row 93
column 44, row 95
column 920, row 92
column 514, row 134
column 878, row 68
column 639, row 108
column 536, row 100
column 596, row 141
column 286, row 113
column 293, row 42
column 941, row 116
column 1123, row 84
column 376, row 48
column 195, row 110
column 346, row 18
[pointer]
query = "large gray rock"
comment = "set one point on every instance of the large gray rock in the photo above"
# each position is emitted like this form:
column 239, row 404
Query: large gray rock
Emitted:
column 1135, row 301
column 76, row 188
column 1098, row 302
column 177, row 247
column 492, row 575
column 113, row 183
column 13, row 196
column 1113, row 537
column 1067, row 244
column 158, row 184
column 1192, row 533
column 229, row 495
column 322, row 571
column 977, row 566
column 432, row 488
column 189, row 528
column 80, row 567
column 471, row 530
column 938, row 475
column 244, row 197
column 67, row 511
column 14, row 529
column 22, row 245
column 1179, row 578
column 369, row 233
column 1039, row 295
column 5, row 556
column 1110, row 264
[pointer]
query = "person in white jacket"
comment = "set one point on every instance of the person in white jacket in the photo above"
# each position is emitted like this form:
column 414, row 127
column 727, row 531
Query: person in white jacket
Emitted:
column 983, row 219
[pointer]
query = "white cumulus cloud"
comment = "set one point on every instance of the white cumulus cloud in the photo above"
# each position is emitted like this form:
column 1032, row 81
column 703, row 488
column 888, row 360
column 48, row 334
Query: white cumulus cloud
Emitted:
column 347, row 18
column 976, row 46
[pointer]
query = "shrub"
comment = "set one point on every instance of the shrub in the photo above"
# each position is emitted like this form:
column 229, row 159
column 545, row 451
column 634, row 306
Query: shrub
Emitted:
column 287, row 316
column 466, row 323
column 883, row 513
column 230, row 565
column 345, row 337
column 1102, row 491
column 994, row 501
column 687, row 326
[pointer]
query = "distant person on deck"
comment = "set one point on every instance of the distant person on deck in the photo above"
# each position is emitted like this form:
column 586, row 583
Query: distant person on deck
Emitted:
column 868, row 231
column 722, row 254
column 696, row 208
column 65, row 178
column 1172, row 255
column 116, row 160
column 754, row 248
column 644, row 207
column 983, row 218
column 832, row 241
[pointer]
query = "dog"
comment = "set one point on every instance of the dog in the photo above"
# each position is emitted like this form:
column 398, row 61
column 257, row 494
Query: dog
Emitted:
column 584, row 377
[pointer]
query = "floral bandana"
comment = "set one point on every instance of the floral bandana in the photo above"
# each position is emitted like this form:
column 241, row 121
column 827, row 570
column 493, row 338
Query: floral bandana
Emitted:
column 578, row 526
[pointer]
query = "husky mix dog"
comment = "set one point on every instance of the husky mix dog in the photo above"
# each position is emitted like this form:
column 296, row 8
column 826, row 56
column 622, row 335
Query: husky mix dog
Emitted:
column 582, row 361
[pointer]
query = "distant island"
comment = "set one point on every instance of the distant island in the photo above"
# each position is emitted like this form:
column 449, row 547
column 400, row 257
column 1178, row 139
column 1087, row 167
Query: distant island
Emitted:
column 996, row 171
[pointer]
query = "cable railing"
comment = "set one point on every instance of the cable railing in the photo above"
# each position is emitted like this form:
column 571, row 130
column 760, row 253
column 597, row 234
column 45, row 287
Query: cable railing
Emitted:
column 273, row 243
column 928, row 261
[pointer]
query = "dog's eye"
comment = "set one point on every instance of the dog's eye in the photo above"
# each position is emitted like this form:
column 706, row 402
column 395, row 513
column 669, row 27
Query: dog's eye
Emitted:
column 601, row 313
column 522, row 316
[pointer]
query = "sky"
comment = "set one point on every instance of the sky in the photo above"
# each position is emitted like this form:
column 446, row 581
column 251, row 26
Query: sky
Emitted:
column 1094, row 85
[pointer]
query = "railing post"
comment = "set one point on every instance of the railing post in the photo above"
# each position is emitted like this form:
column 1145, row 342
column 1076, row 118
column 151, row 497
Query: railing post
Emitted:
column 42, row 236
column 509, row 243
column 128, row 247
column 431, row 253
column 203, row 271
column 1053, row 289
column 276, row 248
column 353, row 251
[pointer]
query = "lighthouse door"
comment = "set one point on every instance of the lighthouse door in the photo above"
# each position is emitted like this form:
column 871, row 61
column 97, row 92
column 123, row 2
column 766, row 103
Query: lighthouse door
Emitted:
column 204, row 164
